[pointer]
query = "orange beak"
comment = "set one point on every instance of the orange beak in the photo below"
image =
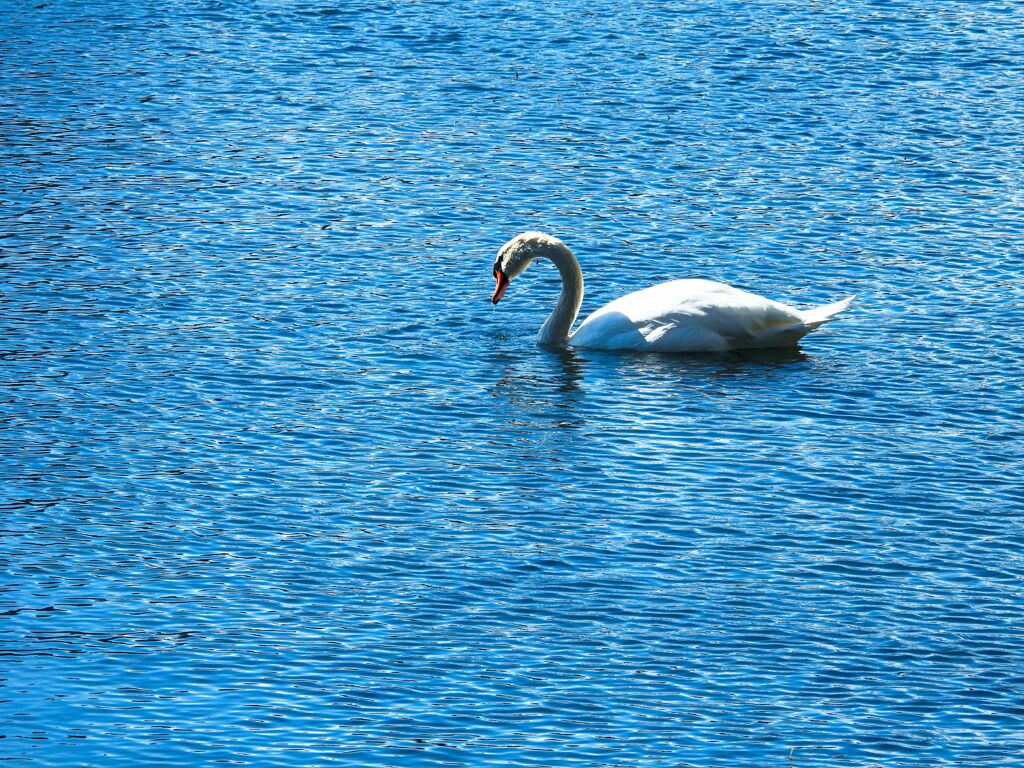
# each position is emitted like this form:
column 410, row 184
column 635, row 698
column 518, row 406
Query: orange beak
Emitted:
column 499, row 289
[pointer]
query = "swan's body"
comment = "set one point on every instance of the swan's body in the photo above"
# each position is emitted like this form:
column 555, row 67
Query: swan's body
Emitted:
column 677, row 316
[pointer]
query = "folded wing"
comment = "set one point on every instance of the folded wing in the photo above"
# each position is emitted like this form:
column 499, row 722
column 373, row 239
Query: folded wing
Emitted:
column 697, row 316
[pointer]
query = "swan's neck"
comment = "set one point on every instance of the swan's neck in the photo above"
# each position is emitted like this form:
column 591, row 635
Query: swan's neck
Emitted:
column 556, row 328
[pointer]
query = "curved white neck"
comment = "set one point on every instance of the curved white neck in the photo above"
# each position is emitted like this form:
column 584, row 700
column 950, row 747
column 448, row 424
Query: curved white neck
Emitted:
column 556, row 328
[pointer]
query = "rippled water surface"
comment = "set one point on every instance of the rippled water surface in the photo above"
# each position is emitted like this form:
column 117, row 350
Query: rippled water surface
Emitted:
column 281, row 488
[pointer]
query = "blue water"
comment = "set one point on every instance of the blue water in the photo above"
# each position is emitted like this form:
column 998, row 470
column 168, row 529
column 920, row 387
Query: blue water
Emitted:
column 281, row 488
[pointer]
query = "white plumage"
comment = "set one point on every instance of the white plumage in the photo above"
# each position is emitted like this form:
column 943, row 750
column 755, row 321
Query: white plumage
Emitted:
column 677, row 316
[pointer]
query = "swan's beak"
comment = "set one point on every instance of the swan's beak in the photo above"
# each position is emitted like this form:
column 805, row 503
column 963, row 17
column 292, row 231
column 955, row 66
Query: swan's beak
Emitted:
column 499, row 289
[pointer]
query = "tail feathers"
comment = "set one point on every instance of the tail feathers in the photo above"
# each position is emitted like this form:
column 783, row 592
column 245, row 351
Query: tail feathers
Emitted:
column 815, row 317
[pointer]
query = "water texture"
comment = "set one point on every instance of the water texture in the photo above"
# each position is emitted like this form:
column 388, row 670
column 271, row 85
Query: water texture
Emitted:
column 281, row 488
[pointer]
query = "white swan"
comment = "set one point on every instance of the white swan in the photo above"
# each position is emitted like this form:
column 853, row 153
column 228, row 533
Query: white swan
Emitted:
column 677, row 316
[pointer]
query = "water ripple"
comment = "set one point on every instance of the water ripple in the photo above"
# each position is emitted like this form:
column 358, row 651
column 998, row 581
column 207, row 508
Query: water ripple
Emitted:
column 282, row 488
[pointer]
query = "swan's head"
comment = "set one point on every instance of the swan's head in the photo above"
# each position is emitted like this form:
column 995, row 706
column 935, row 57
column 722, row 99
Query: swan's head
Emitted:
column 515, row 256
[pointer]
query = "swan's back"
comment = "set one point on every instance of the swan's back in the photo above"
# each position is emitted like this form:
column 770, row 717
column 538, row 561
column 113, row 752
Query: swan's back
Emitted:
column 690, row 316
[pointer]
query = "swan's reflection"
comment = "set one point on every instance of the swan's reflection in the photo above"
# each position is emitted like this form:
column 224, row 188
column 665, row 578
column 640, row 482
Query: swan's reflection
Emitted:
column 771, row 357
column 550, row 403
column 570, row 368
column 543, row 385
column 688, row 369
column 552, row 383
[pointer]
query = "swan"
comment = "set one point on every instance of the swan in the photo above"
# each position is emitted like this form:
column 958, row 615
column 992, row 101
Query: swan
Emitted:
column 676, row 316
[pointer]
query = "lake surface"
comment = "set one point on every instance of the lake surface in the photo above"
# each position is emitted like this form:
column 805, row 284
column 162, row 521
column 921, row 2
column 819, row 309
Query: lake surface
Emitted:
column 280, row 487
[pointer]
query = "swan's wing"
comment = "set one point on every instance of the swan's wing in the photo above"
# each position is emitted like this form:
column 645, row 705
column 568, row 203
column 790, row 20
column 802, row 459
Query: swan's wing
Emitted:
column 690, row 316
